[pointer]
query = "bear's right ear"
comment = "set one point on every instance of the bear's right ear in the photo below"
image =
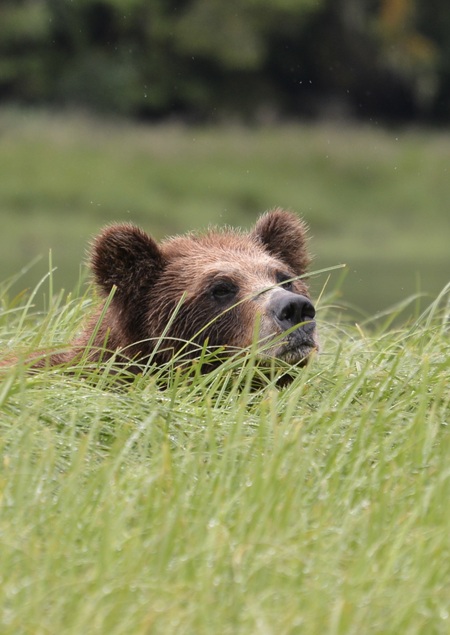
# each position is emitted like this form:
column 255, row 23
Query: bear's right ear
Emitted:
column 284, row 236
column 126, row 257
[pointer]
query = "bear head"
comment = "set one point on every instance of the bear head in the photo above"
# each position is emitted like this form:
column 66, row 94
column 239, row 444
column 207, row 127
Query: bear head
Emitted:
column 221, row 288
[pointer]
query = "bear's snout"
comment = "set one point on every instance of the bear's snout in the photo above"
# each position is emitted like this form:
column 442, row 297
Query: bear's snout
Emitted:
column 290, row 309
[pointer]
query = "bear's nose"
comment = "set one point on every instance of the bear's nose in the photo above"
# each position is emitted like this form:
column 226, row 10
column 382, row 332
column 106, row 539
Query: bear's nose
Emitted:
column 290, row 309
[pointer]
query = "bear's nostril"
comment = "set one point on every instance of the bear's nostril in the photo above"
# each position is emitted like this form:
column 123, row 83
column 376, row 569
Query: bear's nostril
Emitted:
column 287, row 313
column 293, row 310
column 309, row 312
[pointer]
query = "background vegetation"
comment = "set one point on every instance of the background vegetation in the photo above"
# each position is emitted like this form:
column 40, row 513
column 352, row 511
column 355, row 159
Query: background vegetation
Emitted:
column 375, row 200
column 209, row 59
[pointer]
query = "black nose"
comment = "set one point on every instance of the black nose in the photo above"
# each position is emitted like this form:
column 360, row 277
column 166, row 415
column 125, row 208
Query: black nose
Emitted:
column 290, row 309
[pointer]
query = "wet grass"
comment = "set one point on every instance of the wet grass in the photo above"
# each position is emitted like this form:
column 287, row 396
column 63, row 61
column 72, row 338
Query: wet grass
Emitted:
column 214, row 506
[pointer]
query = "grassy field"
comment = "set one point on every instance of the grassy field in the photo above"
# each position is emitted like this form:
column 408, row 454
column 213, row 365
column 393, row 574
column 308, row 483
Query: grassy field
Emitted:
column 220, row 504
column 376, row 200
column 216, row 507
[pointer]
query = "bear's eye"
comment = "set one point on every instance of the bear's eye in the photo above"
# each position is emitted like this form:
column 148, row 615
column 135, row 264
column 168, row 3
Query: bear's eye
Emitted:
column 285, row 280
column 223, row 290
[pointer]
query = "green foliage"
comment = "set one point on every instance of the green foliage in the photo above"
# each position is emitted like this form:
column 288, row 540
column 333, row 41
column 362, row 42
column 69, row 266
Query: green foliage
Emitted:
column 214, row 507
column 209, row 59
column 222, row 32
column 134, row 57
column 25, row 29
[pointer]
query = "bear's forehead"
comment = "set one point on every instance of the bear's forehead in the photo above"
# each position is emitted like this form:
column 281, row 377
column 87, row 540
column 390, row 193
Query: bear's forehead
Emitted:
column 213, row 244
column 228, row 253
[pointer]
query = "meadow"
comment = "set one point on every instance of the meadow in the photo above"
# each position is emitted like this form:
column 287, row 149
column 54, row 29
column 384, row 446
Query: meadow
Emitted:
column 221, row 503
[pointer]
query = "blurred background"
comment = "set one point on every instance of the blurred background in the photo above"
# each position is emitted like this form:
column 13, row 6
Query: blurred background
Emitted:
column 178, row 114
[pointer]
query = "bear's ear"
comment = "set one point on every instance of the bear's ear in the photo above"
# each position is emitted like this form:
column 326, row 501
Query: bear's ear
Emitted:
column 284, row 236
column 125, row 256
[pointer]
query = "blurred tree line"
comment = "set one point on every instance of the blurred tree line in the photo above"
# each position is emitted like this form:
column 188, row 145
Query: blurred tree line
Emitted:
column 212, row 59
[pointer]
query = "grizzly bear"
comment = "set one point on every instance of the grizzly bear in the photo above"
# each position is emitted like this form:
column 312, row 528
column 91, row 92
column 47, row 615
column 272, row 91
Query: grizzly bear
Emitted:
column 210, row 290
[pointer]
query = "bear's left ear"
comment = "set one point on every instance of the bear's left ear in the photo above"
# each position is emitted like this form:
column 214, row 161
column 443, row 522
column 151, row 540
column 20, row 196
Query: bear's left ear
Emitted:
column 126, row 257
column 284, row 236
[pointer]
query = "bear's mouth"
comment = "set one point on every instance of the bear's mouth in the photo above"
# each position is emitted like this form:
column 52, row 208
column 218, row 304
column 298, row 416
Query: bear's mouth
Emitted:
column 295, row 353
column 296, row 348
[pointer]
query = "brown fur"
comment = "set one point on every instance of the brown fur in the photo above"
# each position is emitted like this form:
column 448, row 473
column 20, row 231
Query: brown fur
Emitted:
column 220, row 284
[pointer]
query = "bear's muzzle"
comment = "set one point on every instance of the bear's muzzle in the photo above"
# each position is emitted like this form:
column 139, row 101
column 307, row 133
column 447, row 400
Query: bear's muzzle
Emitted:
column 293, row 314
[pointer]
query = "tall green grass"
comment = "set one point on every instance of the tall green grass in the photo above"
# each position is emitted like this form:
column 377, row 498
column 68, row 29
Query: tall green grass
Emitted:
column 215, row 505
